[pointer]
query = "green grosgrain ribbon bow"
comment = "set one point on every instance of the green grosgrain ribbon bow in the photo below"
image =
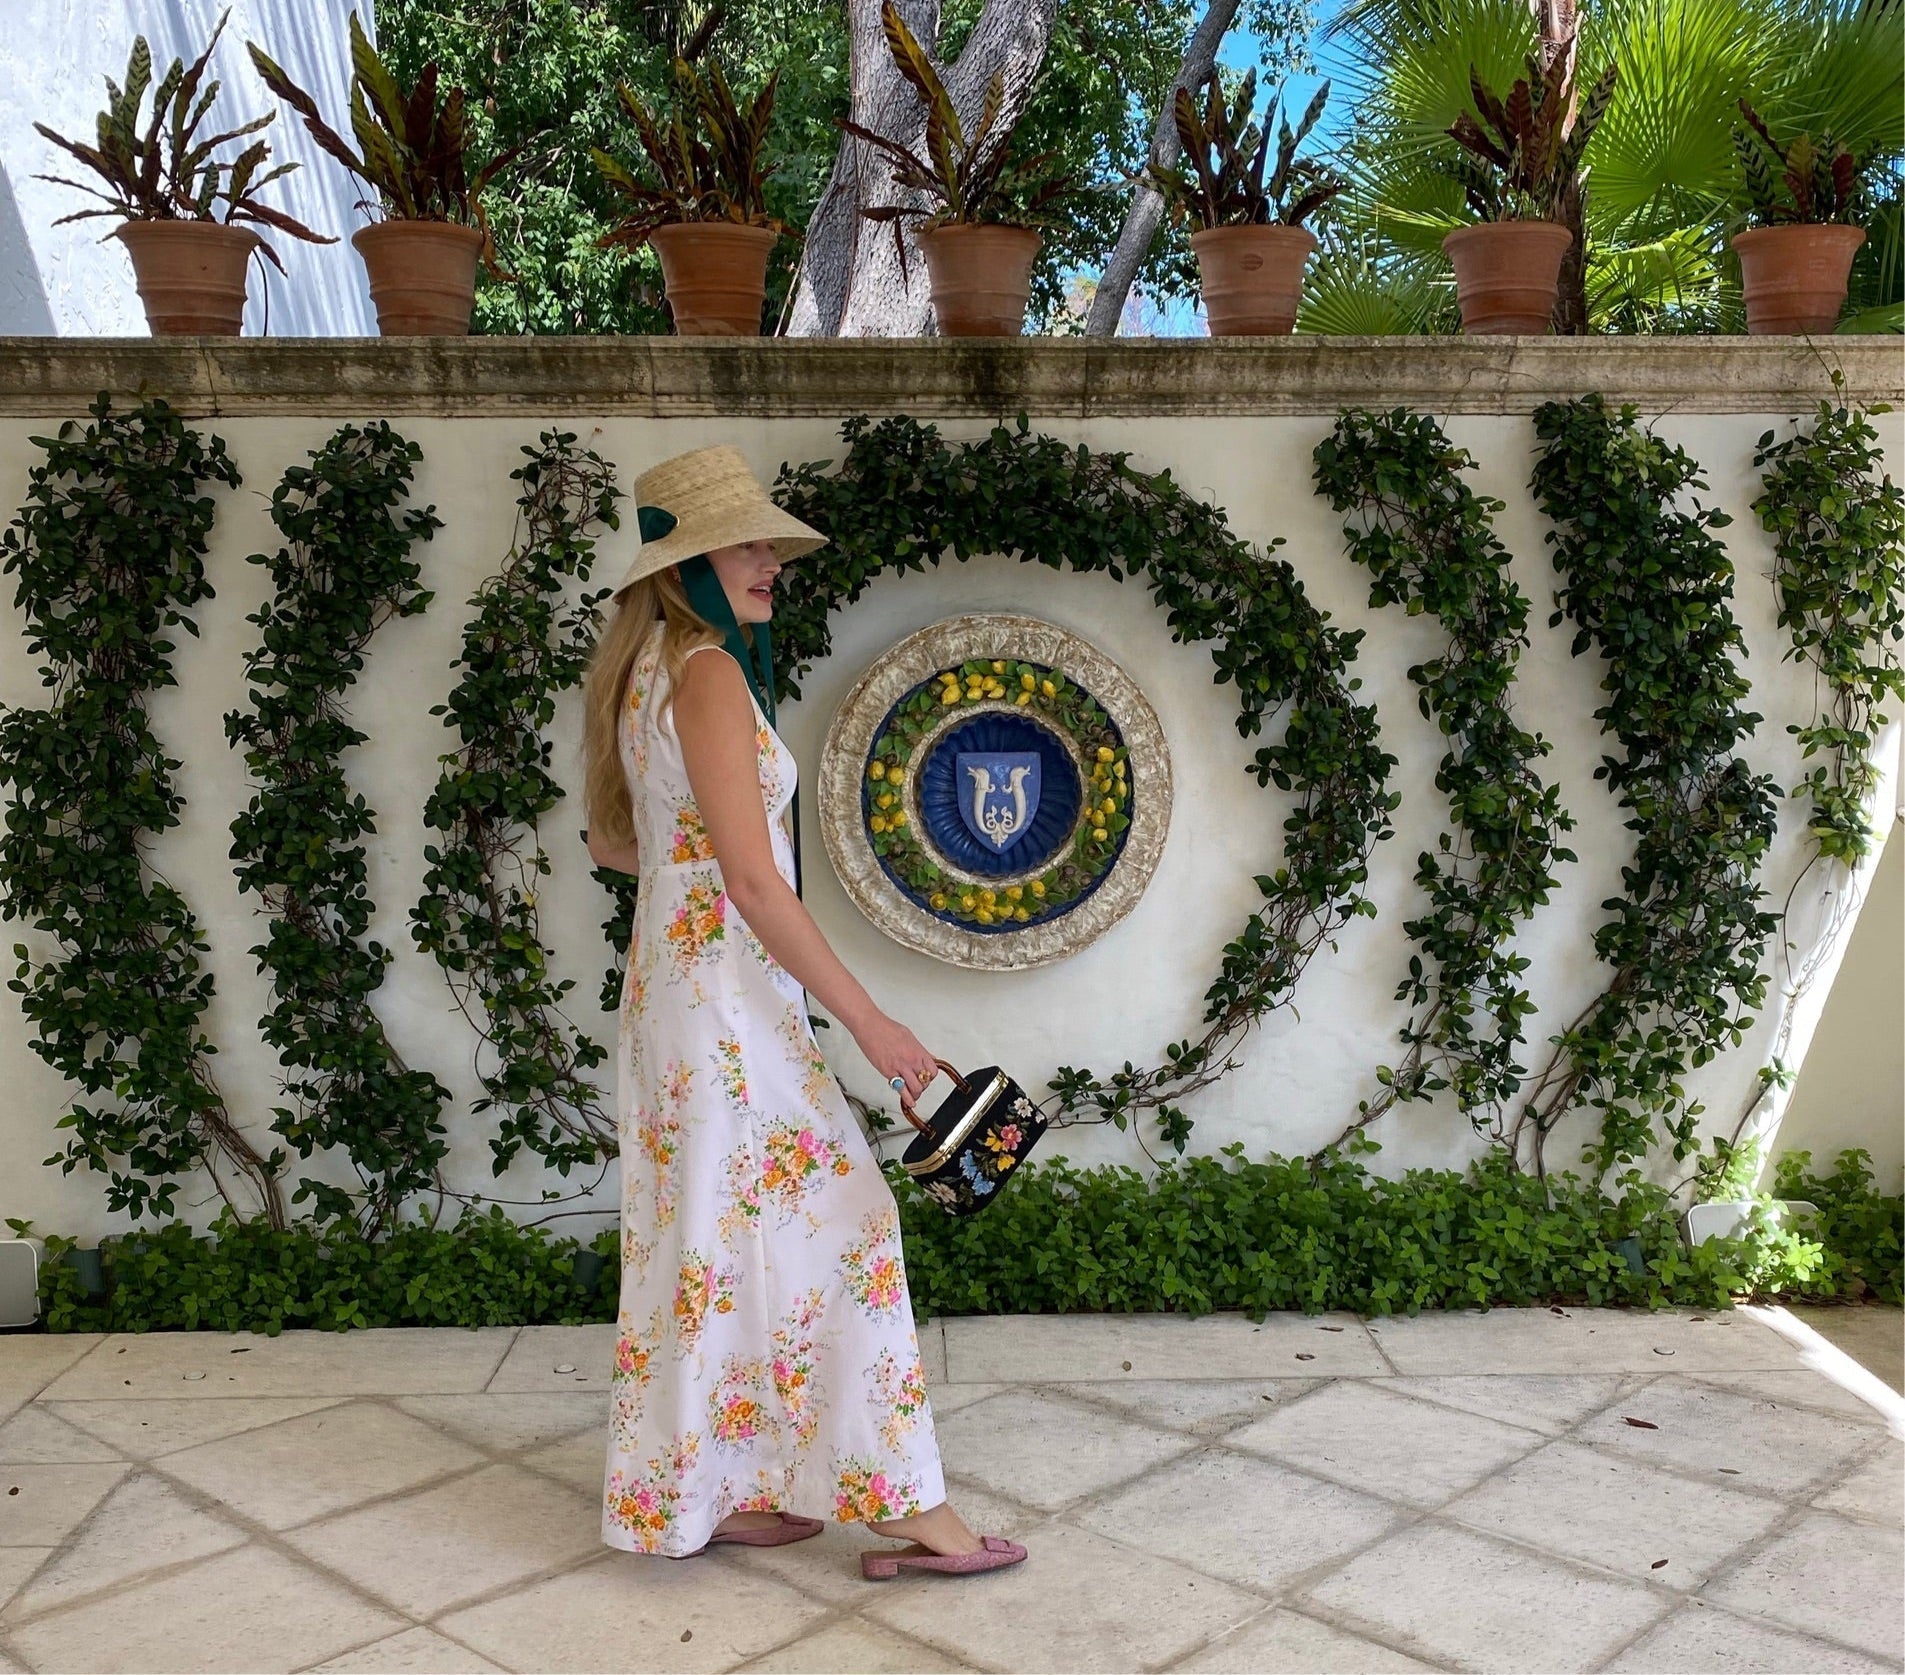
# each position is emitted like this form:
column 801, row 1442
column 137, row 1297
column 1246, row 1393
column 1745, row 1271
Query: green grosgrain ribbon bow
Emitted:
column 752, row 646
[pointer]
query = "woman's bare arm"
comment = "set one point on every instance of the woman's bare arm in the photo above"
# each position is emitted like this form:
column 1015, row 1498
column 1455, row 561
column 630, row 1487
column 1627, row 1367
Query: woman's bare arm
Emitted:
column 624, row 857
column 714, row 719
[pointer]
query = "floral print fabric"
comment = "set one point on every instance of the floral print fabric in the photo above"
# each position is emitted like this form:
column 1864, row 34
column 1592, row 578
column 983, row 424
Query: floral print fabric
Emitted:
column 765, row 1356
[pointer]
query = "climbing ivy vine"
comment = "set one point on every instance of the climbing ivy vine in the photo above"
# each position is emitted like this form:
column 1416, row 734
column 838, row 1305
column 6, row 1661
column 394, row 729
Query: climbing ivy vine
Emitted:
column 1425, row 537
column 1838, row 528
column 902, row 497
column 1649, row 586
column 344, row 570
column 109, row 549
column 478, row 914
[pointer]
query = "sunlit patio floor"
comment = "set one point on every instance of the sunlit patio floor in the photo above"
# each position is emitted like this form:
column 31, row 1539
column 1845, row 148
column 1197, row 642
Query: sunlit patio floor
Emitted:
column 1521, row 1490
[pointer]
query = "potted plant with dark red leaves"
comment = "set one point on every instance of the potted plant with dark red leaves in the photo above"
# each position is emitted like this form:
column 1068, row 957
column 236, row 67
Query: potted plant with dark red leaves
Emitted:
column 1796, row 259
column 412, row 151
column 184, row 212
column 982, row 238
column 706, row 216
column 1521, row 160
column 1251, row 244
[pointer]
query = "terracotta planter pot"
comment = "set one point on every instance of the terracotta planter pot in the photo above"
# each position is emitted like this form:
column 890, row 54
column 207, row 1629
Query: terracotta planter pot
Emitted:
column 1252, row 278
column 1795, row 277
column 716, row 276
column 422, row 276
column 190, row 274
column 981, row 277
column 1507, row 274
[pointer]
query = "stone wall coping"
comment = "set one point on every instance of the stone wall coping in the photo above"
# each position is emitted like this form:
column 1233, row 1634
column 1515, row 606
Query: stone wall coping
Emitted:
column 1080, row 378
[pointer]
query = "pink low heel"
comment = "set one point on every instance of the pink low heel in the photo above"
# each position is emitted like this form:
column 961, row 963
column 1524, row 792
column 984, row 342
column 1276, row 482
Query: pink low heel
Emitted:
column 793, row 1527
column 996, row 1554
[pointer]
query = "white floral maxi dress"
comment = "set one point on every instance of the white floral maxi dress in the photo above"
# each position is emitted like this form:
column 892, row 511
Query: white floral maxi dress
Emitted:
column 765, row 1356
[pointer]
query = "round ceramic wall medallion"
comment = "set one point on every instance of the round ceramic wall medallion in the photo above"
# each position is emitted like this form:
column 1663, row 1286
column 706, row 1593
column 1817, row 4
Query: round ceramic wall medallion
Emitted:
column 995, row 791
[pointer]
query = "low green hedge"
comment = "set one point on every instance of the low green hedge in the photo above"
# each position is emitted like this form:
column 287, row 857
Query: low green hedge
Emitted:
column 1205, row 1233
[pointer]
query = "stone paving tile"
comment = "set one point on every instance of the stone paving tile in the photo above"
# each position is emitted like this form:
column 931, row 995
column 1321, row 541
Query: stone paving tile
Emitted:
column 1243, row 1520
column 1622, row 1515
column 428, row 1552
column 1547, row 1403
column 1481, row 1604
column 950, row 1398
column 587, row 1351
column 36, row 1435
column 1287, row 1643
column 16, row 1565
column 1577, row 1341
column 290, row 1473
column 29, row 1361
column 379, row 1361
column 1874, row 1489
column 1079, row 1602
column 1044, row 1451
column 510, row 1424
column 1806, row 1388
column 1704, row 1429
column 856, row 1647
column 143, row 1525
column 45, row 1504
column 1385, row 1444
column 1829, row 1576
column 581, row 1461
column 416, row 1651
column 250, row 1609
column 1205, row 1407
column 145, row 1430
column 932, row 1349
column 1031, row 1348
column 635, row 1612
column 1873, row 1334
column 1698, row 1638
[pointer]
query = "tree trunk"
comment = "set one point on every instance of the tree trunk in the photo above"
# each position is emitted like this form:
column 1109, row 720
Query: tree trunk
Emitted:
column 850, row 284
column 1147, row 208
column 1559, row 25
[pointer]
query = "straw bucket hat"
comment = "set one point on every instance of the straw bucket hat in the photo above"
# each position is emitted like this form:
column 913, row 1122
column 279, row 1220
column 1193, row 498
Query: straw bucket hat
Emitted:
column 716, row 501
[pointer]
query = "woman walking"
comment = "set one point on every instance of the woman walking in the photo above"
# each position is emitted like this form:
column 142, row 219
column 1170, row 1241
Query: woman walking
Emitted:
column 766, row 1359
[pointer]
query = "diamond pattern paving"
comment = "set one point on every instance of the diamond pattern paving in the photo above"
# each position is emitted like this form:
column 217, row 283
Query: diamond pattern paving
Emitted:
column 1523, row 1489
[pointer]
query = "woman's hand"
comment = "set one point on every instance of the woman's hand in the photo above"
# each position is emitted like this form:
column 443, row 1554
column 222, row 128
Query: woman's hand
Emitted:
column 894, row 1050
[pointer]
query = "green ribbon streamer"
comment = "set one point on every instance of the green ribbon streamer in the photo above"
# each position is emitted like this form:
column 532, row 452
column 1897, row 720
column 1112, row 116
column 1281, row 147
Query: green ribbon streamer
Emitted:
column 751, row 645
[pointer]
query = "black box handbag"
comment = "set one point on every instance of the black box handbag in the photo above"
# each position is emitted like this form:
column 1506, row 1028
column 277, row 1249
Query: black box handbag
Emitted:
column 981, row 1132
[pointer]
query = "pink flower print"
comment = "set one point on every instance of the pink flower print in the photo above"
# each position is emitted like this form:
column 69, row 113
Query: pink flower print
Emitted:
column 738, row 1410
column 732, row 1070
column 645, row 1503
column 901, row 1394
column 698, row 923
column 659, row 1138
column 874, row 1273
column 691, row 840
column 864, row 1493
column 699, row 1288
column 632, row 1370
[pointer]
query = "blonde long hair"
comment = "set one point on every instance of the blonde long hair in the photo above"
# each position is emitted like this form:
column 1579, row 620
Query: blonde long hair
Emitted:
column 660, row 597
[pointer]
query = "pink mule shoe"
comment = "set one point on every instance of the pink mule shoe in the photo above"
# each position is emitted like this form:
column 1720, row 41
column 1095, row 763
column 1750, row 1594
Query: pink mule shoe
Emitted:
column 792, row 1527
column 996, row 1554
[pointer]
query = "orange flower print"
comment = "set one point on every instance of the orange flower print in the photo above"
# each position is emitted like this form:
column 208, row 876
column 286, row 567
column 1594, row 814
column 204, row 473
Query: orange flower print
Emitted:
column 634, row 1366
column 698, row 923
column 738, row 1406
column 729, row 1067
column 659, row 1139
column 874, row 1274
column 645, row 1503
column 901, row 1393
column 691, row 840
column 816, row 1076
column 699, row 1288
column 767, row 1493
column 792, row 1364
column 863, row 1492
column 635, row 1250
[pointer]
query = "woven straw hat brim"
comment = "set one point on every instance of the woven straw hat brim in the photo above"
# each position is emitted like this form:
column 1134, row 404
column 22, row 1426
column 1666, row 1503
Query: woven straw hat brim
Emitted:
column 717, row 501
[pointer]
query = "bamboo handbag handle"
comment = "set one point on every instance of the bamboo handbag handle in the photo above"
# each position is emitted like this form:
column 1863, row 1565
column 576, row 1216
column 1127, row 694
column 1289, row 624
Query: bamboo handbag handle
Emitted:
column 906, row 1105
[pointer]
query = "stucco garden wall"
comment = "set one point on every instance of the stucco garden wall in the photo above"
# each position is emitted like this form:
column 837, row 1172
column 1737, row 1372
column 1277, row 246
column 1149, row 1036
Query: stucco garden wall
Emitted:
column 1234, row 423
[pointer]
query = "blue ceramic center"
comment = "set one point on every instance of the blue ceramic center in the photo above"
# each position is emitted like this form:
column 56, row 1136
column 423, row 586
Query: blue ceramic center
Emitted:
column 998, row 794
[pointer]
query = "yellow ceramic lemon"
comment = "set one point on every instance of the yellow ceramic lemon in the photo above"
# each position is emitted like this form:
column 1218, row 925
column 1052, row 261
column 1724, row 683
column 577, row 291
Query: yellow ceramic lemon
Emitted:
column 877, row 771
